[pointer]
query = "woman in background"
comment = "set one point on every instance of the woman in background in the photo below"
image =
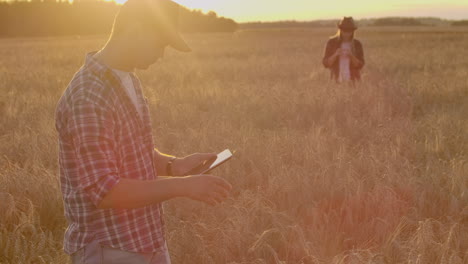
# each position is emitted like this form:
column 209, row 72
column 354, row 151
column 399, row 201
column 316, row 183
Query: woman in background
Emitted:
column 344, row 55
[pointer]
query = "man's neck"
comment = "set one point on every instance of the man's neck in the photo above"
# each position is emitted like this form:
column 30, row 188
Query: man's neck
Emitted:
column 112, row 58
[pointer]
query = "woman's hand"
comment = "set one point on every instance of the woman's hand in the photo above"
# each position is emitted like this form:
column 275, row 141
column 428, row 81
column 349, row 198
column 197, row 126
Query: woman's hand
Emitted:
column 338, row 52
column 334, row 57
column 355, row 61
column 346, row 52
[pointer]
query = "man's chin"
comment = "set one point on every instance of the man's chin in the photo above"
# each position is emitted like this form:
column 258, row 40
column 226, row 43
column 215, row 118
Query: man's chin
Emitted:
column 145, row 66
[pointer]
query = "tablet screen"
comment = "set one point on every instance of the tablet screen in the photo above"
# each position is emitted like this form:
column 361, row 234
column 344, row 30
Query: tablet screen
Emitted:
column 221, row 157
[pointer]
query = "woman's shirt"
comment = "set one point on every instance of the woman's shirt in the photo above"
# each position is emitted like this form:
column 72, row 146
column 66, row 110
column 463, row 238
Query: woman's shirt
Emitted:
column 345, row 73
column 356, row 49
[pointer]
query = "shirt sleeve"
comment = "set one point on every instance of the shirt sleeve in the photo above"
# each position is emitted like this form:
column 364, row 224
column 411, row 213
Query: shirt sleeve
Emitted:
column 91, row 127
column 327, row 53
column 360, row 54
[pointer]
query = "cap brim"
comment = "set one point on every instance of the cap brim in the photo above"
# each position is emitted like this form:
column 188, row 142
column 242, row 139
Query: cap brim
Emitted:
column 178, row 43
column 347, row 28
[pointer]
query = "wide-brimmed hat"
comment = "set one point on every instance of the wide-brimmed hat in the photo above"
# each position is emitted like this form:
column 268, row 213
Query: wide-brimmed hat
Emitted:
column 163, row 15
column 347, row 23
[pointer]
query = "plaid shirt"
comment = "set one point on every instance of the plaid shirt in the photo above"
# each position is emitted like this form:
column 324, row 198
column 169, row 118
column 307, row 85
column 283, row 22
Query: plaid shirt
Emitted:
column 102, row 139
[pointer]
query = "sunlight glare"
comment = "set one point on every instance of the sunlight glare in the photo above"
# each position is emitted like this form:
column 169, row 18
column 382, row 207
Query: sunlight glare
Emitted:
column 120, row 2
column 274, row 10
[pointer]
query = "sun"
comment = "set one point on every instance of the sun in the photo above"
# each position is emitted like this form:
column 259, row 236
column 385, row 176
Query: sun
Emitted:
column 204, row 3
column 120, row 2
column 199, row 4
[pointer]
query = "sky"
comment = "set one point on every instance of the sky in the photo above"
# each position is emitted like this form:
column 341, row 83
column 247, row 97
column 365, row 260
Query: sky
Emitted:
column 275, row 10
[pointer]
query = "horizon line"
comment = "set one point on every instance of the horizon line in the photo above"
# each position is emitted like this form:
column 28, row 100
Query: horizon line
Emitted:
column 337, row 19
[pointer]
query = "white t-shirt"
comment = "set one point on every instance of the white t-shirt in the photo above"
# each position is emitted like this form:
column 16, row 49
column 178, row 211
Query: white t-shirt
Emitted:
column 127, row 82
column 345, row 73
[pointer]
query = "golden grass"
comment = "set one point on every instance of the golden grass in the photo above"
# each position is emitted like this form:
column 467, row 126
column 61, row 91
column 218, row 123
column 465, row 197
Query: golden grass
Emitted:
column 322, row 173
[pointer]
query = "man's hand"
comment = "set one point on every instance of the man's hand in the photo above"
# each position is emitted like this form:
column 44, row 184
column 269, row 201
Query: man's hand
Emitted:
column 193, row 164
column 206, row 188
column 129, row 194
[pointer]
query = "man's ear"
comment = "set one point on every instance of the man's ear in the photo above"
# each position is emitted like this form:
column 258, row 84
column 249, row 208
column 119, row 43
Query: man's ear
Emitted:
column 133, row 30
column 135, row 35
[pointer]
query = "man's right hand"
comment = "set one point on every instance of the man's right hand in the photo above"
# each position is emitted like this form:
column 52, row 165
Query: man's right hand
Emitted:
column 206, row 188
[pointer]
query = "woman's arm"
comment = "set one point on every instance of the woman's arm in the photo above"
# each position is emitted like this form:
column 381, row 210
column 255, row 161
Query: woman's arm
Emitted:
column 358, row 60
column 330, row 55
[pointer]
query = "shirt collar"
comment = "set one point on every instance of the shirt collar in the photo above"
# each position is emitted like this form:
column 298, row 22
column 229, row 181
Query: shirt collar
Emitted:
column 94, row 65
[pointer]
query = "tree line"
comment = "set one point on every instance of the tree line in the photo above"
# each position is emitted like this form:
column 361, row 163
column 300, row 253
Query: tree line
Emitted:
column 377, row 22
column 460, row 23
column 59, row 18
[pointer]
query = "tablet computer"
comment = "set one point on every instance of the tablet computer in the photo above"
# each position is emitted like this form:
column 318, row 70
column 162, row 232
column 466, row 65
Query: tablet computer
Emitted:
column 222, row 157
column 219, row 159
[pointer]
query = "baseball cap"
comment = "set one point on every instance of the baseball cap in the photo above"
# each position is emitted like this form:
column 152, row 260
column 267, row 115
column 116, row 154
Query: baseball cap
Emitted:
column 163, row 15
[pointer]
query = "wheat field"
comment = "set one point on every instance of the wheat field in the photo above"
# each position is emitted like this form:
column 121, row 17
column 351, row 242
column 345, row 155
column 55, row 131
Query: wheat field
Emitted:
column 322, row 173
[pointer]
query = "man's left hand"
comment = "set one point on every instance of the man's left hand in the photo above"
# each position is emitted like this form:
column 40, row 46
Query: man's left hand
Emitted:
column 193, row 164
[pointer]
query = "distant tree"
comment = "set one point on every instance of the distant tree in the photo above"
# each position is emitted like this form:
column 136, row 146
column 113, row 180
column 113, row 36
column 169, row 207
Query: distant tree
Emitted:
column 212, row 14
column 196, row 21
column 397, row 21
column 288, row 24
column 84, row 17
column 460, row 23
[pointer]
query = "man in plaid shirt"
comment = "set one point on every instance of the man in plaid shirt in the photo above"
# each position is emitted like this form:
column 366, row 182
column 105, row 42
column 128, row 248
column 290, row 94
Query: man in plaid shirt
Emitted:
column 110, row 172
